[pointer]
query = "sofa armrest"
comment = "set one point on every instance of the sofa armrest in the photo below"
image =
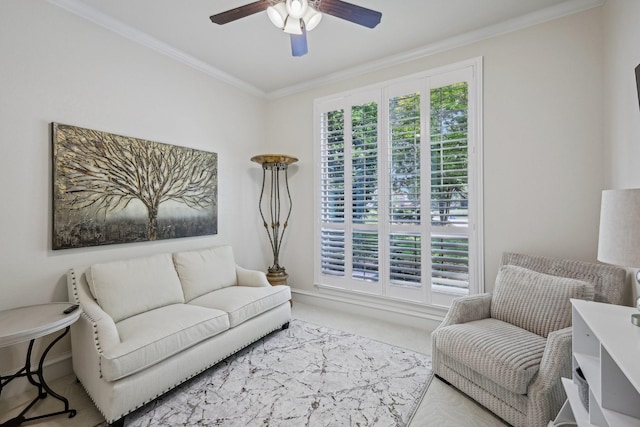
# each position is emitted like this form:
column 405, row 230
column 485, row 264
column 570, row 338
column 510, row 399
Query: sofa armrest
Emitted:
column 106, row 333
column 253, row 278
column 467, row 309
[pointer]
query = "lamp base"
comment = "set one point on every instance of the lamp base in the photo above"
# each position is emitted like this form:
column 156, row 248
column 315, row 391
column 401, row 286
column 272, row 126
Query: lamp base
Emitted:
column 277, row 277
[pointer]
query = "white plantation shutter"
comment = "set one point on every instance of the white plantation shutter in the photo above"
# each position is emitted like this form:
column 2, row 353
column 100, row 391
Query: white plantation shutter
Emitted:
column 404, row 177
column 399, row 189
column 332, row 181
column 364, row 163
column 404, row 171
column 332, row 252
column 405, row 259
column 332, row 190
column 365, row 255
column 364, row 191
column 450, row 260
column 449, row 186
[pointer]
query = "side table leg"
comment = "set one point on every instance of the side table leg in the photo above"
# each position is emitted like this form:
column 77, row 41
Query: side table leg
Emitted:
column 25, row 372
column 37, row 379
column 30, row 374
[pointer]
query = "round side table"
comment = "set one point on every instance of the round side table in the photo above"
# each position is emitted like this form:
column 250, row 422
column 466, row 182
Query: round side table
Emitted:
column 27, row 324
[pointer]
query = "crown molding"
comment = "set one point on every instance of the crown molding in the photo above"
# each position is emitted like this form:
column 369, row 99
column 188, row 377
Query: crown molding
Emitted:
column 563, row 9
column 551, row 13
column 146, row 40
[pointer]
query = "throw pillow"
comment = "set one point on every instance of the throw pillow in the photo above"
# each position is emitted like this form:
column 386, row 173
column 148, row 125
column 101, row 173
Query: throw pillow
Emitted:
column 537, row 302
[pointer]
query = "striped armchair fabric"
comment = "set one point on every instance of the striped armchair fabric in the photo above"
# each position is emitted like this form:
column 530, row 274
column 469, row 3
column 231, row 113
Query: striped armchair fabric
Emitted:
column 508, row 350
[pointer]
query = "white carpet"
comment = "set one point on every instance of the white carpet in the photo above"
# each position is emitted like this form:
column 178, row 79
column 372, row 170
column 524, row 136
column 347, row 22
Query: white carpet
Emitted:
column 307, row 375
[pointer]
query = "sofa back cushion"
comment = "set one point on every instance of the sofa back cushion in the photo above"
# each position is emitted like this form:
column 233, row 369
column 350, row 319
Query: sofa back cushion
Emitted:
column 205, row 270
column 537, row 302
column 129, row 287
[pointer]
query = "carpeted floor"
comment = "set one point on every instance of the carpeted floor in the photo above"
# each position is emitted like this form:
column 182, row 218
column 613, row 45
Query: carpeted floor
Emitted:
column 307, row 375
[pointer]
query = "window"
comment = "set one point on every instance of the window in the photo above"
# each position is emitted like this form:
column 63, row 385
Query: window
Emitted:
column 399, row 188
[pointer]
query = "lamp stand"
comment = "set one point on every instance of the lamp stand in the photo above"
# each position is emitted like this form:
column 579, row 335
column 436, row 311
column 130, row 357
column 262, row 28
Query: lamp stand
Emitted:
column 276, row 165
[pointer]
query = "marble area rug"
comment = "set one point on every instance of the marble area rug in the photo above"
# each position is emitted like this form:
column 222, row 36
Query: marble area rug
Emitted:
column 307, row 375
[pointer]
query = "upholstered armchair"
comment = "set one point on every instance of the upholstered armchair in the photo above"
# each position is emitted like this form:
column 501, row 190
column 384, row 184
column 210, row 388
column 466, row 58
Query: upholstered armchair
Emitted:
column 508, row 350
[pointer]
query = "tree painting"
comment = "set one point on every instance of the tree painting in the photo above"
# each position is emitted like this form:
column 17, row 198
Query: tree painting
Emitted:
column 115, row 189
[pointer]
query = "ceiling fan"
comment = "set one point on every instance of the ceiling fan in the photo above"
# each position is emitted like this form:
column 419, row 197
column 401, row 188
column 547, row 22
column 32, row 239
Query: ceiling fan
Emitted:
column 296, row 17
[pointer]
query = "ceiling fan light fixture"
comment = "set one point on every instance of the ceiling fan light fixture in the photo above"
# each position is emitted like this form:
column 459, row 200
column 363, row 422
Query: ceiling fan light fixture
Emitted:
column 293, row 25
column 296, row 17
column 296, row 8
column 277, row 14
column 311, row 18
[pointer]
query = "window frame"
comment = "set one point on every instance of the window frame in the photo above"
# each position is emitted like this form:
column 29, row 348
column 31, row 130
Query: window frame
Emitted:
column 469, row 71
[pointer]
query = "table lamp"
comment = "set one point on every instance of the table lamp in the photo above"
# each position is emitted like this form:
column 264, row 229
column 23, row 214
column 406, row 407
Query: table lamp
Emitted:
column 619, row 239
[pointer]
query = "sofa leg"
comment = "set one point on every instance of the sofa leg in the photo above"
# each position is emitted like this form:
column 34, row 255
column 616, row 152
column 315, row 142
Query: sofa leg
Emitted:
column 117, row 423
column 285, row 326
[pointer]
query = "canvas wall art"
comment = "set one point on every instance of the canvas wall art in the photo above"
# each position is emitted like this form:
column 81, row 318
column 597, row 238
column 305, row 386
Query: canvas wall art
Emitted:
column 110, row 189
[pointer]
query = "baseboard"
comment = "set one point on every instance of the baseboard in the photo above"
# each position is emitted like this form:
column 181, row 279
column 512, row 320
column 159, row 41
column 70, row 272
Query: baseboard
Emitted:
column 54, row 367
column 405, row 315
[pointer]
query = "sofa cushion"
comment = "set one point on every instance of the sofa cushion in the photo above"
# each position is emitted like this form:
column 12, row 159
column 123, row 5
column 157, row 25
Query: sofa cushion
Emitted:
column 155, row 335
column 129, row 287
column 244, row 302
column 537, row 302
column 205, row 270
column 505, row 354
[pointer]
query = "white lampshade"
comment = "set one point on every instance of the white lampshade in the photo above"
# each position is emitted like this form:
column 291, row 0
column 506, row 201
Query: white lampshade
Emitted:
column 312, row 18
column 619, row 240
column 293, row 25
column 277, row 14
column 296, row 8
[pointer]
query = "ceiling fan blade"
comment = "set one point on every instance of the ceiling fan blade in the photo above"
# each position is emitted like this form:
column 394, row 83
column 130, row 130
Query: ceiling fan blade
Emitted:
column 351, row 12
column 299, row 43
column 240, row 12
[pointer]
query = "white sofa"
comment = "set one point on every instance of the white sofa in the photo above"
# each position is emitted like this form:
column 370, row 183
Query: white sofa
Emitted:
column 148, row 324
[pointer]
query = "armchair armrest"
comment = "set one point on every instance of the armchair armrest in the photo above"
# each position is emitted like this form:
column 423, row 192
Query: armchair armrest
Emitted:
column 556, row 360
column 253, row 278
column 547, row 385
column 467, row 309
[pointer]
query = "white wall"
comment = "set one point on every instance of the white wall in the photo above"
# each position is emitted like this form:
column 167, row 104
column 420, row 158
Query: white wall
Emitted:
column 542, row 142
column 622, row 130
column 57, row 67
column 543, row 133
column 621, row 148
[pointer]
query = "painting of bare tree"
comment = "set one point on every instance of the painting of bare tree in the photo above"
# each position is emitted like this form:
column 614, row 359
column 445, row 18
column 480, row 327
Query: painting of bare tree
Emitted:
column 111, row 189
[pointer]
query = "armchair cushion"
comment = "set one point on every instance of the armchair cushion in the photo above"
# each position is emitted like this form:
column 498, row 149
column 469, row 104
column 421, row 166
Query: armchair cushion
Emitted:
column 501, row 352
column 205, row 270
column 537, row 302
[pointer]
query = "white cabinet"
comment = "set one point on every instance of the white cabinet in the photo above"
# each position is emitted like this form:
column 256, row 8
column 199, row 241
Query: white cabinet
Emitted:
column 606, row 346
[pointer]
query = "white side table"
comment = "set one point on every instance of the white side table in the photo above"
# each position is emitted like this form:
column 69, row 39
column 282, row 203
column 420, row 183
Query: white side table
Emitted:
column 27, row 324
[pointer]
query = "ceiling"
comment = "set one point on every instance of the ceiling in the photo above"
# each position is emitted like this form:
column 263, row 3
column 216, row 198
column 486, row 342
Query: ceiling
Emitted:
column 253, row 54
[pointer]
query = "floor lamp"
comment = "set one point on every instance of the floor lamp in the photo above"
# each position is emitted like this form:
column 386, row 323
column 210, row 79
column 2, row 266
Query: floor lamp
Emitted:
column 276, row 165
column 619, row 239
